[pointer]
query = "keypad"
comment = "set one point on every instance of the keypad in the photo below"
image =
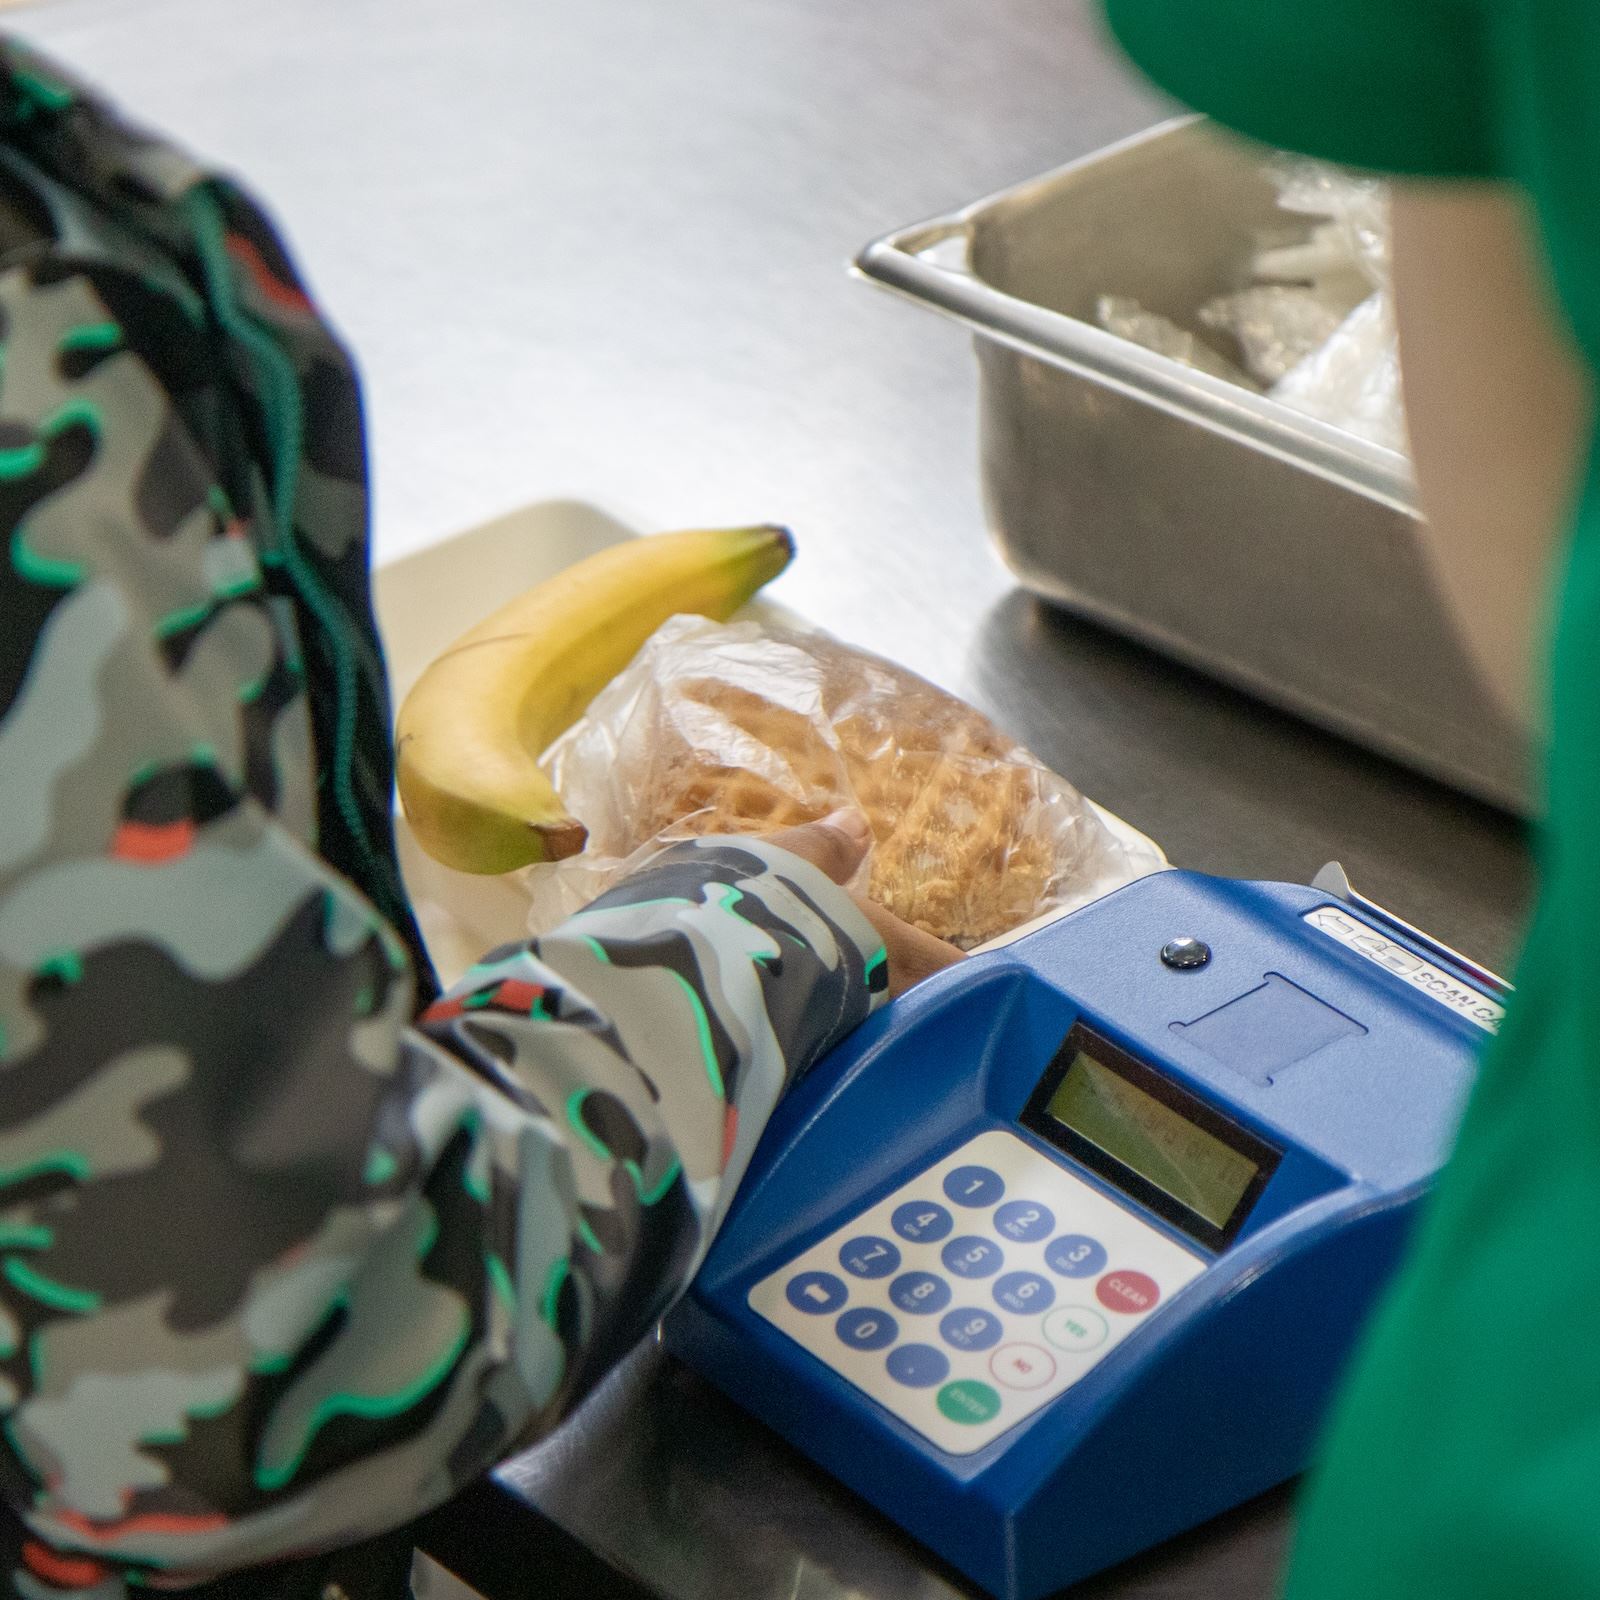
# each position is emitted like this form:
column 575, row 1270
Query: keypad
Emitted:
column 978, row 1291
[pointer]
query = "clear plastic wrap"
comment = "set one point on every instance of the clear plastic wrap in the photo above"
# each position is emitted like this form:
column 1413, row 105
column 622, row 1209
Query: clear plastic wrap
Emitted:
column 745, row 728
column 1129, row 320
column 1276, row 325
column 1353, row 381
column 1314, row 326
column 1356, row 230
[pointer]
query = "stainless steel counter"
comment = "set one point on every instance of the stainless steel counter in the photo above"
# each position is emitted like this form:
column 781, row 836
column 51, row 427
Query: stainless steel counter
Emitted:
column 597, row 250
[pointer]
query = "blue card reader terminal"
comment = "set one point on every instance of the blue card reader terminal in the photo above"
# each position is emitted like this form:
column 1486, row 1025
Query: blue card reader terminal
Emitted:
column 1063, row 1252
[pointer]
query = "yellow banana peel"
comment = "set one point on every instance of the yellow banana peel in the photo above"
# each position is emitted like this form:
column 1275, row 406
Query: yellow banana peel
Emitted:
column 470, row 733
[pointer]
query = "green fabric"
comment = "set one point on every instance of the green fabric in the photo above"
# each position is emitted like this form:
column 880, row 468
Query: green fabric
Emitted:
column 1464, row 1458
column 1376, row 83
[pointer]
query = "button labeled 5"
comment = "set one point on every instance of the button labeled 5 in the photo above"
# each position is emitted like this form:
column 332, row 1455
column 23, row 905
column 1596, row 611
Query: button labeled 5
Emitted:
column 972, row 1257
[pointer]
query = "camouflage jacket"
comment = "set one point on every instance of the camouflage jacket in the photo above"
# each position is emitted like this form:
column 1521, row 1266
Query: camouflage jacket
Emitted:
column 281, row 1262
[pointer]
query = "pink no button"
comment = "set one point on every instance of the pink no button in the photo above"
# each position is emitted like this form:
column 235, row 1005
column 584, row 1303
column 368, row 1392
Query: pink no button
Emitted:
column 1128, row 1292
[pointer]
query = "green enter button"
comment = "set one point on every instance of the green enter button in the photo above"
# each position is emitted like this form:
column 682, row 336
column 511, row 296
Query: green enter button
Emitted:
column 969, row 1401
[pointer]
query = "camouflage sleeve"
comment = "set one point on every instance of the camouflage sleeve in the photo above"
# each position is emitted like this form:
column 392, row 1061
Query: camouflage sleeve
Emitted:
column 279, row 1278
column 280, row 1265
column 645, row 1043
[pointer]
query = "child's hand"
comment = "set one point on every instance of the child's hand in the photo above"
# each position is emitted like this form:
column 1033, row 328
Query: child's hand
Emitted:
column 837, row 844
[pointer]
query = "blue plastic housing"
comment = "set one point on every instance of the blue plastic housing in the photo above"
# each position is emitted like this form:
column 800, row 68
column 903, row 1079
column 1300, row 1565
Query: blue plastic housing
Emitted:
column 1218, row 1396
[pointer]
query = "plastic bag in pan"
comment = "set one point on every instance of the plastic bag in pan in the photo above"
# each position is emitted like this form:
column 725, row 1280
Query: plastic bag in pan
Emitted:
column 745, row 728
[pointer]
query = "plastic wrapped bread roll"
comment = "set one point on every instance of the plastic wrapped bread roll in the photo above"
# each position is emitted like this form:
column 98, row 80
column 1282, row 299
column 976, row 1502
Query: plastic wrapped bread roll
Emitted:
column 743, row 728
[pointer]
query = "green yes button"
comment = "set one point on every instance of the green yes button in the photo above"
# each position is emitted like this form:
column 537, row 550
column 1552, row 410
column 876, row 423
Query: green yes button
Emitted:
column 969, row 1401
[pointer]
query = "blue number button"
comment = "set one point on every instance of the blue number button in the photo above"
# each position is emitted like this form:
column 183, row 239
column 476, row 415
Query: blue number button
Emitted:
column 969, row 1330
column 1075, row 1255
column 970, row 1257
column 816, row 1292
column 1024, row 1221
column 919, row 1293
column 922, row 1222
column 869, row 1257
column 974, row 1186
column 918, row 1366
column 863, row 1328
column 1024, row 1292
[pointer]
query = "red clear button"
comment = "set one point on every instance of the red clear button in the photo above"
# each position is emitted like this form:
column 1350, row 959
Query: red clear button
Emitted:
column 1128, row 1292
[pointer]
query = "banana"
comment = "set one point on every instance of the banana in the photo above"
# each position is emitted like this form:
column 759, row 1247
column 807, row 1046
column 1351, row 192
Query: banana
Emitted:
column 470, row 733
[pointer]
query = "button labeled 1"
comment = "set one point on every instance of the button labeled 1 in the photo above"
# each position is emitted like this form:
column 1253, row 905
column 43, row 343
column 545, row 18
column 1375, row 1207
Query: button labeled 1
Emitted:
column 974, row 1186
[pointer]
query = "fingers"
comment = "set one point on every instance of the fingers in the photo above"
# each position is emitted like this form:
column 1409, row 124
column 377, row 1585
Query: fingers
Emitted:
column 913, row 954
column 837, row 843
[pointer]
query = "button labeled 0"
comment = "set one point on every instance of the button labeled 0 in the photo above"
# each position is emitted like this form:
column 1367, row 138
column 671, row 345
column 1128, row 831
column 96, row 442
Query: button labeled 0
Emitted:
column 867, row 1328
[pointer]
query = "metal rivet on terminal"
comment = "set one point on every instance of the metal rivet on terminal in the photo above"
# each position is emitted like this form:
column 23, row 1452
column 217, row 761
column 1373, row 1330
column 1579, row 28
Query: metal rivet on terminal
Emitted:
column 1185, row 954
